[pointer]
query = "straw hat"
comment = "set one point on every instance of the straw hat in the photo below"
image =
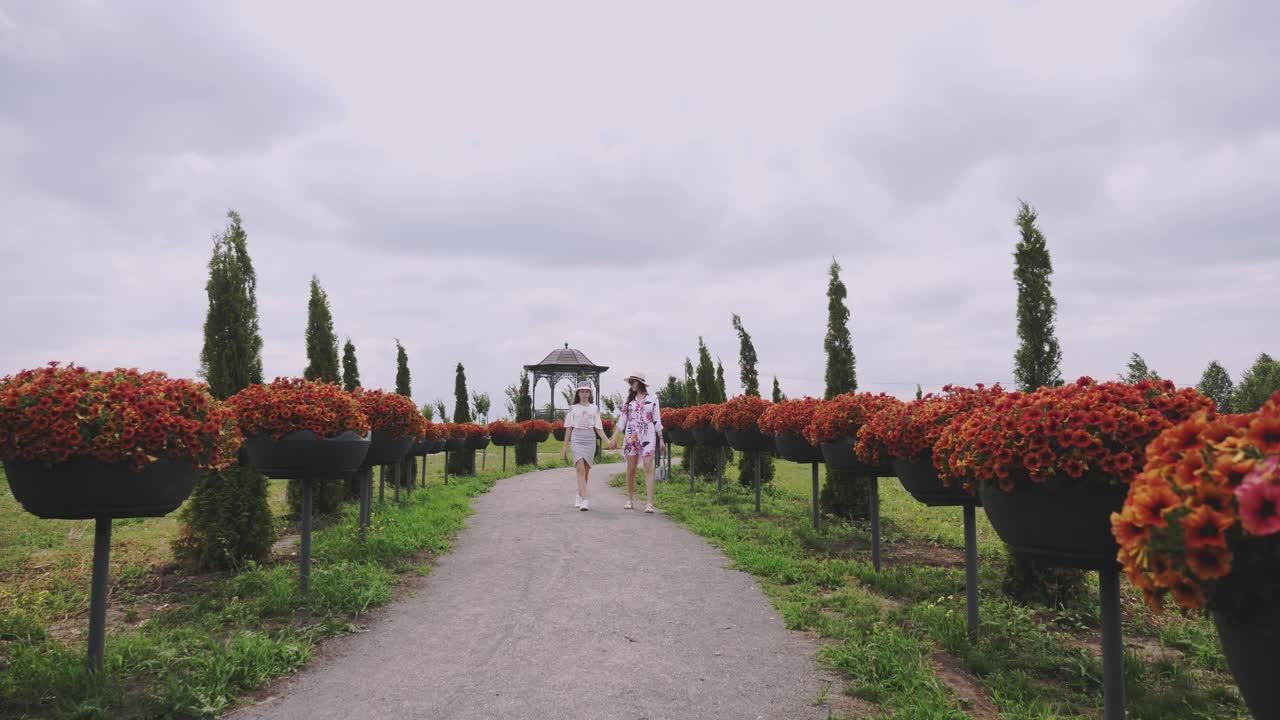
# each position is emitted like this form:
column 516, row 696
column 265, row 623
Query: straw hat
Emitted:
column 636, row 375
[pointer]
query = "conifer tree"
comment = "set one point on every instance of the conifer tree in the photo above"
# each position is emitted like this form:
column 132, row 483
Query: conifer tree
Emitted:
column 461, row 462
column 691, row 399
column 721, row 391
column 1257, row 385
column 750, row 380
column 227, row 521
column 778, row 395
column 322, row 365
column 526, row 450
column 1216, row 383
column 704, row 459
column 919, row 392
column 402, row 371
column 429, row 412
column 1137, row 371
column 350, row 369
column 844, row 494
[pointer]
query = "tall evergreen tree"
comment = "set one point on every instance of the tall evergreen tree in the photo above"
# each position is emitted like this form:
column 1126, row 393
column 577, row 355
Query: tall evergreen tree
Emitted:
column 1037, row 360
column 1137, row 371
column 750, row 380
column 526, row 451
column 844, row 494
column 350, row 369
column 842, row 374
column 441, row 410
column 1257, row 385
column 704, row 459
column 671, row 395
column 1036, row 363
column 778, row 396
column 1216, row 383
column 429, row 412
column 461, row 462
column 721, row 389
column 402, row 371
column 322, row 343
column 227, row 520
column 691, row 399
column 919, row 392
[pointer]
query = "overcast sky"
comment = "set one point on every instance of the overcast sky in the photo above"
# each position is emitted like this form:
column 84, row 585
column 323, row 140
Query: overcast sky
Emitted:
column 487, row 181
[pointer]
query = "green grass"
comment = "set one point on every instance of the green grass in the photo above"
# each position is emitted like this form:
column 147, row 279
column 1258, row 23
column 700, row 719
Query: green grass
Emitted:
column 193, row 647
column 885, row 631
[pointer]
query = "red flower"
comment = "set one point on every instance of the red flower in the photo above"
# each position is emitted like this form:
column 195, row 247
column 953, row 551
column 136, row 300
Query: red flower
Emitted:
column 844, row 415
column 390, row 413
column 791, row 416
column 1205, row 526
column 699, row 416
column 672, row 419
column 741, row 414
column 535, row 426
column 290, row 405
column 503, row 428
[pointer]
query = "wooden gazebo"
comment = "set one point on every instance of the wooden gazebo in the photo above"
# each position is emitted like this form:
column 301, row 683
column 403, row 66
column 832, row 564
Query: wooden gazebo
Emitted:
column 562, row 364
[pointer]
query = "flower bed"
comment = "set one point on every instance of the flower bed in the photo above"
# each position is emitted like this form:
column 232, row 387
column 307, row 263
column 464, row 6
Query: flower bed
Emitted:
column 673, row 418
column 433, row 432
column 504, row 428
column 789, row 416
column 537, row 430
column 699, row 416
column 741, row 414
column 472, row 431
column 289, row 405
column 55, row 414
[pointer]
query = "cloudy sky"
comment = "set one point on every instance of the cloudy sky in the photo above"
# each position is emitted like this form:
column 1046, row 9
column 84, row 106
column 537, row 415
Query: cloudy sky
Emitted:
column 487, row 181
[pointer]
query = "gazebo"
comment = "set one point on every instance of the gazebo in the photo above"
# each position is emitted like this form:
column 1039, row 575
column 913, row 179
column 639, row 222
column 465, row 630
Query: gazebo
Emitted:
column 562, row 364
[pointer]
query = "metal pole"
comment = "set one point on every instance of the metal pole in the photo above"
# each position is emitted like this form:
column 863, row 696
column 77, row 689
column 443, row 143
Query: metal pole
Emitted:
column 816, row 520
column 719, row 470
column 446, row 467
column 364, row 504
column 98, row 592
column 692, row 467
column 1112, row 644
column 971, row 567
column 504, row 458
column 382, row 483
column 395, row 480
column 758, row 483
column 304, row 554
column 875, row 523
column 424, row 470
column 410, row 471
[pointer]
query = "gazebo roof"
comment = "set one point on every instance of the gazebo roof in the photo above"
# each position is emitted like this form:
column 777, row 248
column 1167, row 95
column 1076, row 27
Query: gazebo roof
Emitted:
column 565, row 359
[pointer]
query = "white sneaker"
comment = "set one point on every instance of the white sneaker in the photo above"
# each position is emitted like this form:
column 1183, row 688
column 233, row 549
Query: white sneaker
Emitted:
column 586, row 505
column 577, row 502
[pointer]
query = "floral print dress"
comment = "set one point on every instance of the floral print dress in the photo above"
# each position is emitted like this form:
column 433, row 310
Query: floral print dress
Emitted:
column 642, row 424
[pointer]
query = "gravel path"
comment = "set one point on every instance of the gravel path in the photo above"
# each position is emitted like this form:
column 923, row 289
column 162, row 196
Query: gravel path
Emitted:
column 541, row 611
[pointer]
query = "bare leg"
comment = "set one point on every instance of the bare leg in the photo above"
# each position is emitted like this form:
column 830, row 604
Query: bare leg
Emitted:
column 583, row 469
column 631, row 477
column 648, row 477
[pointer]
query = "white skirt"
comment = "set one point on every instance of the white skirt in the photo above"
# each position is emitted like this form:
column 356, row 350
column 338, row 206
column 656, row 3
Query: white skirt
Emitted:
column 583, row 445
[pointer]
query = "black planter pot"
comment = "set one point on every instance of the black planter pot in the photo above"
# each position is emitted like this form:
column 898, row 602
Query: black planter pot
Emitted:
column 839, row 456
column 479, row 443
column 420, row 447
column 1250, row 647
column 793, row 447
column 303, row 454
column 455, row 444
column 709, row 437
column 506, row 440
column 436, row 446
column 84, row 488
column 386, row 450
column 538, row 436
column 920, row 478
column 1062, row 522
column 683, row 438
column 749, row 441
column 558, row 433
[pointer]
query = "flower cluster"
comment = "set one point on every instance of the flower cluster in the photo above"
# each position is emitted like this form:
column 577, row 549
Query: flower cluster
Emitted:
column 699, row 416
column 673, row 418
column 741, row 414
column 844, row 415
column 536, row 426
column 607, row 424
column 433, row 432
column 909, row 431
column 57, row 413
column 293, row 404
column 1206, row 503
column 1084, row 427
column 787, row 416
column 472, row 431
column 503, row 428
column 389, row 413
column 453, row 431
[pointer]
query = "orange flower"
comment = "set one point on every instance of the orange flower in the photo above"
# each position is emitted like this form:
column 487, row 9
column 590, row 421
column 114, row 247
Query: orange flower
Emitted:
column 1187, row 593
column 1213, row 496
column 1125, row 527
column 1205, row 526
column 1152, row 501
column 1208, row 562
column 1264, row 433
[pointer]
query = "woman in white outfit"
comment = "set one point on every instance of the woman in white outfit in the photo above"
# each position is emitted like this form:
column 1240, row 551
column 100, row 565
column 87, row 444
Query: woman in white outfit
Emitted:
column 581, row 427
column 641, row 426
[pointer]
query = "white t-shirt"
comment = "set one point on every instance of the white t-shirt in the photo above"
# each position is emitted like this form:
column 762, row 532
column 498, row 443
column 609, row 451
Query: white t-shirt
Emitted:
column 583, row 417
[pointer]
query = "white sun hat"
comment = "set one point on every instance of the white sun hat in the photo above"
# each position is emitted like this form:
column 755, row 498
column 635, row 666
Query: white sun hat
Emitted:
column 636, row 375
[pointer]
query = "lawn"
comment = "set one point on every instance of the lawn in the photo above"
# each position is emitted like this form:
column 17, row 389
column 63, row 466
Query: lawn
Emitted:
column 898, row 638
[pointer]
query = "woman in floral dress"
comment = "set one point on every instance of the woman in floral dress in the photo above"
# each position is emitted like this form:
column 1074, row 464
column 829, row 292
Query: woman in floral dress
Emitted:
column 640, row 423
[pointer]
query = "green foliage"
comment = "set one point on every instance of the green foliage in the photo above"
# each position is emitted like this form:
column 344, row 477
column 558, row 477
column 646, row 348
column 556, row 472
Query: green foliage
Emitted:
column 721, row 392
column 441, row 410
column 526, row 451
column 1216, row 383
column 778, row 395
column 690, row 384
column 480, row 405
column 703, row 459
column 327, row 496
column 227, row 520
column 842, row 375
column 1137, row 371
column 350, row 369
column 1257, row 384
column 322, row 343
column 429, row 412
column 402, row 372
column 919, row 392
column 1037, row 360
column 671, row 395
column 750, row 386
column 462, row 462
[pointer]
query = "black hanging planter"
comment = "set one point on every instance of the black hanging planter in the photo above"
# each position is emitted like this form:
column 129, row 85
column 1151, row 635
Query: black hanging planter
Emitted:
column 749, row 440
column 455, row 444
column 920, row 478
column 558, row 434
column 537, row 435
column 386, row 450
column 794, row 447
column 420, row 447
column 1249, row 646
column 1063, row 521
column 436, row 446
column 840, row 457
column 303, row 454
column 85, row 489
column 507, row 439
column 479, row 443
column 683, row 438
column 707, row 436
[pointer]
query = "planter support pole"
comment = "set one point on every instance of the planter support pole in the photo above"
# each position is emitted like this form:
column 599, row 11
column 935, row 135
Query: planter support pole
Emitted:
column 1112, row 643
column 410, row 465
column 365, row 492
column 396, row 480
column 875, row 522
column 446, row 467
column 424, row 470
column 504, row 458
column 692, row 468
column 758, row 482
column 98, row 591
column 382, row 483
column 304, row 553
column 971, row 567
column 816, row 520
column 719, row 470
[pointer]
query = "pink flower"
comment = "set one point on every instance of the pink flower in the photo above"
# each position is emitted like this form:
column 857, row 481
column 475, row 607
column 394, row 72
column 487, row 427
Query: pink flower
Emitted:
column 1259, row 499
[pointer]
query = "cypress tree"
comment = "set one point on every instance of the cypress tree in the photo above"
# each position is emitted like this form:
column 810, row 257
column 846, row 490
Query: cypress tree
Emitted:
column 461, row 462
column 721, row 393
column 671, row 395
column 750, row 380
column 691, row 399
column 322, row 343
column 1037, row 360
column 227, row 520
column 1257, row 384
column 526, row 451
column 844, row 494
column 704, row 459
column 1137, row 371
column 1216, row 383
column 322, row 365
column 350, row 370
column 777, row 391
column 919, row 392
column 1036, row 363
column 402, row 371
